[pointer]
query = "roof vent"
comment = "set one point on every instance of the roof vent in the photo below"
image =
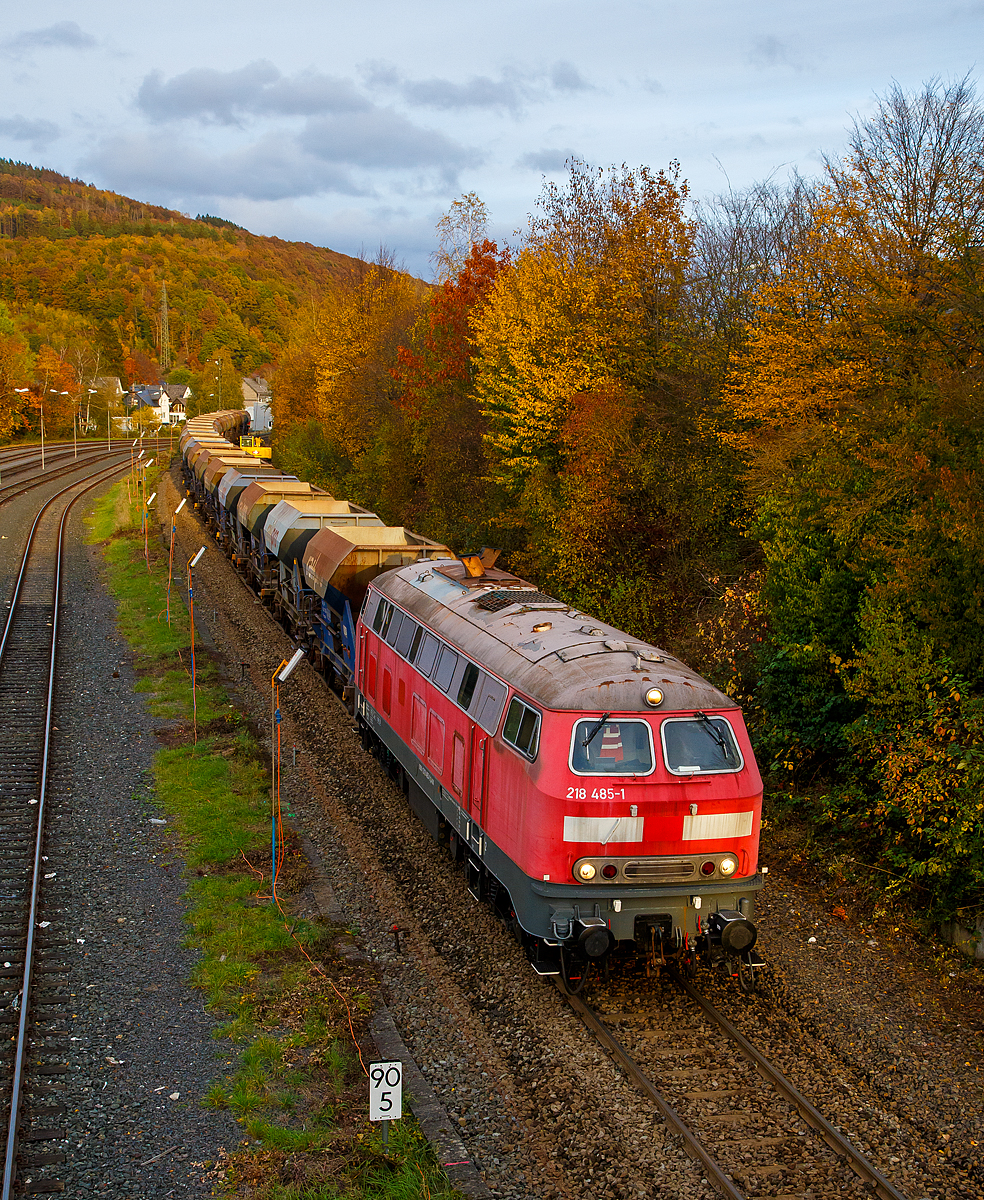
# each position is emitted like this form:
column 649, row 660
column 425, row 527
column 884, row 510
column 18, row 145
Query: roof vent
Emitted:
column 502, row 598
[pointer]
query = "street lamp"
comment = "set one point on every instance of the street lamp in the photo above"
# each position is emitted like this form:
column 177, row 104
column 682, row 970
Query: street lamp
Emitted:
column 280, row 675
column 23, row 391
column 51, row 392
column 192, row 563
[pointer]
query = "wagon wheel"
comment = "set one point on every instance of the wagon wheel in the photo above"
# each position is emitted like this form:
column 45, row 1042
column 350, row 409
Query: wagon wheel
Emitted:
column 574, row 976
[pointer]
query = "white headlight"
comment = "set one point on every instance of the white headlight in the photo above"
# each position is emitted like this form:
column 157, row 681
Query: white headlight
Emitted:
column 586, row 872
column 728, row 865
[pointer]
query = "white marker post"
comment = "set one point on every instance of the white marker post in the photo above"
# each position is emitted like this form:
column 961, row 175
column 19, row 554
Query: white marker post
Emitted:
column 385, row 1095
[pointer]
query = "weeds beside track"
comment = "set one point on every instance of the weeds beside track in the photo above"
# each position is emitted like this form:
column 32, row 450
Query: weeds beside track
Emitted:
column 294, row 1005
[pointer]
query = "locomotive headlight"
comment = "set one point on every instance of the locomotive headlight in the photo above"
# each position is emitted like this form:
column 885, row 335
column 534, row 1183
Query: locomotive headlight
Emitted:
column 728, row 865
column 654, row 697
column 586, row 872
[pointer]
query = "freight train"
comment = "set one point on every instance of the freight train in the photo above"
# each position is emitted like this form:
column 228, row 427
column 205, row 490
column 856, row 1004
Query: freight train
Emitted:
column 599, row 794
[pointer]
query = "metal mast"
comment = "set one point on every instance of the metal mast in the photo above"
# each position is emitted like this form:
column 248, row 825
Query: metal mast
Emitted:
column 165, row 333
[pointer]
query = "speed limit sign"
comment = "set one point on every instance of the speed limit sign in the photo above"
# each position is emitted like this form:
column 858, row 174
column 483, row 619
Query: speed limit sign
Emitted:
column 385, row 1091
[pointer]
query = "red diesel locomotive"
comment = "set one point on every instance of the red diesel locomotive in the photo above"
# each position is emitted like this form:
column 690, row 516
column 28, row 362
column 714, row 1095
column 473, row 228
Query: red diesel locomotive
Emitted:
column 599, row 792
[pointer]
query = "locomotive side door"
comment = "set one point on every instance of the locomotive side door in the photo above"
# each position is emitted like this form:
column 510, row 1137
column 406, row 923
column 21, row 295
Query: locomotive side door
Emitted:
column 479, row 739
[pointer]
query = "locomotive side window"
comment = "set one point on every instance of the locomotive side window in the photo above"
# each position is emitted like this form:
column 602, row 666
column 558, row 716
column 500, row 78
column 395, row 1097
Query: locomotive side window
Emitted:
column 408, row 631
column 427, row 654
column 445, row 668
column 392, row 632
column 522, row 728
column 700, row 745
column 415, row 644
column 490, row 703
column 467, row 689
column 622, row 747
column 380, row 617
column 369, row 604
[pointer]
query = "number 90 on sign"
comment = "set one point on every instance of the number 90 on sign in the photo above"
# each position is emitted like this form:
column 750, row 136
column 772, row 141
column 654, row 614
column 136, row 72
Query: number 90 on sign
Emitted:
column 385, row 1091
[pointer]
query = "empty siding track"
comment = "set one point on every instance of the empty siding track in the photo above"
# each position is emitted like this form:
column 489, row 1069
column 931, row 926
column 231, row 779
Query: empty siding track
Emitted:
column 33, row 959
column 750, row 1130
column 20, row 469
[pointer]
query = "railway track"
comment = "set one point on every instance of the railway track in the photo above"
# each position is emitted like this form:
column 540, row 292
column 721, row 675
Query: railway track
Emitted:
column 19, row 470
column 748, row 1127
column 33, row 950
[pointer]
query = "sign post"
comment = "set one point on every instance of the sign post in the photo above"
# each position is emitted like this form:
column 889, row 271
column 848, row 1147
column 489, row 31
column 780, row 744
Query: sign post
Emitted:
column 385, row 1095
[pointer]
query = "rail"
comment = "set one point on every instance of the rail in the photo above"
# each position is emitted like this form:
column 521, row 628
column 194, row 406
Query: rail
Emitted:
column 874, row 1182
column 29, row 656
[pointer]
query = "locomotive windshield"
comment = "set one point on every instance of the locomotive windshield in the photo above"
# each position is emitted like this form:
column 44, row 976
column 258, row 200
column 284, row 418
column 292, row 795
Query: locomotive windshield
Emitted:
column 700, row 745
column 617, row 748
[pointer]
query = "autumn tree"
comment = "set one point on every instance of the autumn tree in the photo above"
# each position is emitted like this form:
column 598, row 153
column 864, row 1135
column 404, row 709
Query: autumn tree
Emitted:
column 463, row 227
column 16, row 371
column 858, row 407
column 355, row 442
column 445, row 426
column 586, row 356
column 217, row 386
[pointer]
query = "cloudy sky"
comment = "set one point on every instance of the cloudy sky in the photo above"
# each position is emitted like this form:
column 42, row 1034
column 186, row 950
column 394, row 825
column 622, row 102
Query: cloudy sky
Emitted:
column 351, row 125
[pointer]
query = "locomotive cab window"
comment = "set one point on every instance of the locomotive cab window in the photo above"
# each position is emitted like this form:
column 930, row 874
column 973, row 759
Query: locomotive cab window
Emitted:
column 606, row 747
column 522, row 728
column 700, row 745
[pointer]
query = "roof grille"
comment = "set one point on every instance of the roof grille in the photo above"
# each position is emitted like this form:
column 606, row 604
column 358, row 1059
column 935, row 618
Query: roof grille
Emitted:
column 494, row 601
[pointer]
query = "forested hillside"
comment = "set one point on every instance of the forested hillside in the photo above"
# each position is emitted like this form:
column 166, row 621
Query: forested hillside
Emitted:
column 749, row 429
column 81, row 277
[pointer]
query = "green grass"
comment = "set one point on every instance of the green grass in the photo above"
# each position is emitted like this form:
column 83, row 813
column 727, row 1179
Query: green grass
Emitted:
column 287, row 997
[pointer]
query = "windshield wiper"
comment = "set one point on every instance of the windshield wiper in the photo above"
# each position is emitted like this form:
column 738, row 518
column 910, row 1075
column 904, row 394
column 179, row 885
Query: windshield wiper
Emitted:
column 716, row 734
column 595, row 730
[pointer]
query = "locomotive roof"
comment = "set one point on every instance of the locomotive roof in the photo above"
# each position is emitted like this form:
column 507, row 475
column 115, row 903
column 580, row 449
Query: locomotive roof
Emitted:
column 572, row 661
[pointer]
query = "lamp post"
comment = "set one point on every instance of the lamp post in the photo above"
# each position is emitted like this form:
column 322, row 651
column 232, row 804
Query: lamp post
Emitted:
column 191, row 613
column 51, row 392
column 280, row 675
column 170, row 556
column 41, row 402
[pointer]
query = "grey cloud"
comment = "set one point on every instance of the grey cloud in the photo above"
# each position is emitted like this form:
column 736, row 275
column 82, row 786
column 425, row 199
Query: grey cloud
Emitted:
column 653, row 86
column 479, row 92
column 23, row 129
column 510, row 91
column 272, row 168
column 770, row 51
column 383, row 138
column 567, row 78
column 258, row 89
column 546, row 160
column 62, row 35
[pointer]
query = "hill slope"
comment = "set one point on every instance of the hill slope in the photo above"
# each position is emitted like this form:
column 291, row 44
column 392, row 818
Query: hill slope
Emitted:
column 80, row 263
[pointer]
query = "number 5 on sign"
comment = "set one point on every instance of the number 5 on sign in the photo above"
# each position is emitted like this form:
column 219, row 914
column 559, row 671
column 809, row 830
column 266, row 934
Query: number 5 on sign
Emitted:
column 385, row 1091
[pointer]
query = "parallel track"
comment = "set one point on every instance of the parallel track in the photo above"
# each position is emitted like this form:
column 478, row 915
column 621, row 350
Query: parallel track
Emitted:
column 30, row 953
column 14, row 470
column 739, row 1117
